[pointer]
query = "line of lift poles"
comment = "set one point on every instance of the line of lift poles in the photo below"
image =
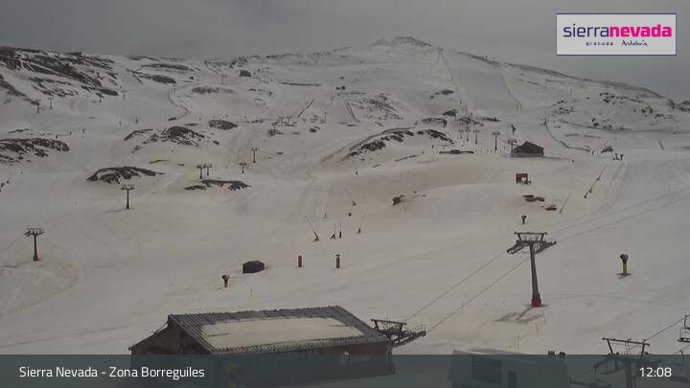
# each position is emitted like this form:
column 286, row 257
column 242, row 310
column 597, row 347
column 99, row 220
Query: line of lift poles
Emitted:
column 34, row 232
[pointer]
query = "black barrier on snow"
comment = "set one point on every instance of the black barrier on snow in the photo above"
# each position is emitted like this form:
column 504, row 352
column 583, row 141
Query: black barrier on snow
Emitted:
column 460, row 370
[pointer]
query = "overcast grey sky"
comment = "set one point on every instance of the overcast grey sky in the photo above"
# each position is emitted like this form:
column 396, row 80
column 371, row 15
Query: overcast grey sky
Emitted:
column 521, row 31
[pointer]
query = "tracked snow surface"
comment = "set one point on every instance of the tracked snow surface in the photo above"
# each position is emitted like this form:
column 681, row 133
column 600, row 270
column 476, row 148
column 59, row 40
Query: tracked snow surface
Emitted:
column 337, row 135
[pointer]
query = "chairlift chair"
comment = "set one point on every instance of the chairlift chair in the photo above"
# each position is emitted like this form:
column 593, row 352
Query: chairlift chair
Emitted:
column 684, row 335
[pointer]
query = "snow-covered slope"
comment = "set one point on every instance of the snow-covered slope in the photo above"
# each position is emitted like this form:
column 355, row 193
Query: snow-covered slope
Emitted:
column 337, row 136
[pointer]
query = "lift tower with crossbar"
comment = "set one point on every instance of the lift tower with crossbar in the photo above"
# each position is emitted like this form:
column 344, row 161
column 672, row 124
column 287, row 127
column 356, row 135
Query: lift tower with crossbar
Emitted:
column 34, row 232
column 127, row 188
column 536, row 244
column 630, row 359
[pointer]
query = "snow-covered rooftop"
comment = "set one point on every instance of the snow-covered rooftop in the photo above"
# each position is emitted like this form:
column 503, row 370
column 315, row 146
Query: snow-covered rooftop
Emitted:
column 247, row 333
column 276, row 330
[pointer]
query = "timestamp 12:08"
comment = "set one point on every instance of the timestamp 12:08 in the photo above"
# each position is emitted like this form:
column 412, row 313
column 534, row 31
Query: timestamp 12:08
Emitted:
column 656, row 372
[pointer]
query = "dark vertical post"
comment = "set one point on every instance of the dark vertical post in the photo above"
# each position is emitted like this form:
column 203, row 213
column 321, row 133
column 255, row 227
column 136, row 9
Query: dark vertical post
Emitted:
column 624, row 259
column 536, row 298
column 127, row 188
column 35, row 248
column 299, row 261
column 337, row 261
column 34, row 232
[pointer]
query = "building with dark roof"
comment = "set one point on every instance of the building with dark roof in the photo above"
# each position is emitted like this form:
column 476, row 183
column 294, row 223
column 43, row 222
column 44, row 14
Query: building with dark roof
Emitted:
column 271, row 347
column 527, row 149
column 331, row 330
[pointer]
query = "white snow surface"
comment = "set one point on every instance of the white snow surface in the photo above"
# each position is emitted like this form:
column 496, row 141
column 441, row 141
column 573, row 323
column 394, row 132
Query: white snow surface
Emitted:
column 236, row 334
column 109, row 277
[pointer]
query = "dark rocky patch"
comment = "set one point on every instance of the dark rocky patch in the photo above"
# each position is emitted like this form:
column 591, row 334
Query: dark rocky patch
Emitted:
column 12, row 91
column 15, row 150
column 208, row 183
column 469, row 121
column 444, row 92
column 684, row 106
column 79, row 58
column 177, row 135
column 436, row 135
column 9, row 57
column 59, row 65
column 435, row 121
column 51, row 87
column 114, row 174
column 167, row 66
column 398, row 135
column 379, row 107
column 245, row 73
column 18, row 131
column 222, row 124
column 212, row 90
column 161, row 79
column 372, row 146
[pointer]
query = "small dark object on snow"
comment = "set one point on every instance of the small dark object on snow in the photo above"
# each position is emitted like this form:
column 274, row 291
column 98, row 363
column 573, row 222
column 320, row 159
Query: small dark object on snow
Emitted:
column 253, row 267
column 456, row 152
column 607, row 149
column 398, row 199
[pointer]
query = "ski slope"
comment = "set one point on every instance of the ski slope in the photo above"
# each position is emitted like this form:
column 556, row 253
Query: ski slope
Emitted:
column 109, row 277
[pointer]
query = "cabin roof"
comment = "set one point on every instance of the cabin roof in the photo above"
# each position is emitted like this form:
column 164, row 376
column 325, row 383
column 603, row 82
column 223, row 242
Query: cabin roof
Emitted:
column 270, row 331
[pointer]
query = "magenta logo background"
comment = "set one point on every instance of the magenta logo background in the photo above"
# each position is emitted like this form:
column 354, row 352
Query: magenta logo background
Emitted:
column 616, row 34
